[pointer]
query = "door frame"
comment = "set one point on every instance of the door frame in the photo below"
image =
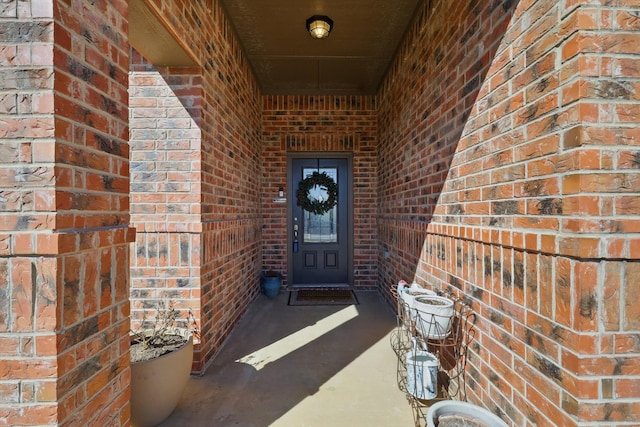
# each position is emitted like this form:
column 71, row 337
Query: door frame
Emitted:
column 291, row 198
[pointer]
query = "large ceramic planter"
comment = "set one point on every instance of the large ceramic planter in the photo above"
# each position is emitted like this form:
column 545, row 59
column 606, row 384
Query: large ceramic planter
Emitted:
column 433, row 316
column 157, row 384
column 449, row 413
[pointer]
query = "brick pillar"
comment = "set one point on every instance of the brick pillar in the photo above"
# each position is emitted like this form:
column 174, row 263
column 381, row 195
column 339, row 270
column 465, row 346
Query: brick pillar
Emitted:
column 207, row 203
column 166, row 179
column 64, row 214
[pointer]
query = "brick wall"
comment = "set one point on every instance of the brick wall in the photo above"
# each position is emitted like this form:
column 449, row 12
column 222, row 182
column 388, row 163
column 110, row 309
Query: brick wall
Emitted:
column 196, row 177
column 64, row 224
column 321, row 124
column 509, row 174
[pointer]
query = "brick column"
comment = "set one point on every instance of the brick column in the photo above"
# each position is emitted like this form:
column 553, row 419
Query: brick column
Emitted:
column 166, row 108
column 200, row 240
column 63, row 214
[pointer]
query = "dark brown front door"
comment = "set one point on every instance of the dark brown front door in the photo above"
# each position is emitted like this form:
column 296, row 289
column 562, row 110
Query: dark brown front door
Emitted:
column 320, row 245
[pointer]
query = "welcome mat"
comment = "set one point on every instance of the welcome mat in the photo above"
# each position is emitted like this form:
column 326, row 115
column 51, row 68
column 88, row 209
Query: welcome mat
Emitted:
column 322, row 297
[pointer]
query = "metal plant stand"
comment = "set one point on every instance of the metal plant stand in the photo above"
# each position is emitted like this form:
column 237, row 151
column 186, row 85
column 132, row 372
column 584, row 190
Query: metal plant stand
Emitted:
column 417, row 333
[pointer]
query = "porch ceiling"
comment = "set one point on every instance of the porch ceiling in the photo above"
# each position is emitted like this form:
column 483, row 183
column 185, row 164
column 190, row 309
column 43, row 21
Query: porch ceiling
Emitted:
column 151, row 38
column 352, row 60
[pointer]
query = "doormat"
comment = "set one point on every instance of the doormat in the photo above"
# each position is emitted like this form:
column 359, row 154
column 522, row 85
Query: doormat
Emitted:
column 323, row 297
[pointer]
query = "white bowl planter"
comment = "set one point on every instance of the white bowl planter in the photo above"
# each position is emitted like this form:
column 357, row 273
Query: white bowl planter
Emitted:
column 157, row 384
column 433, row 316
column 407, row 295
column 452, row 413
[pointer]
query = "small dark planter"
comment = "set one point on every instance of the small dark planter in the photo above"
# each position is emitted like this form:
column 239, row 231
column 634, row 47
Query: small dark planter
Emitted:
column 271, row 284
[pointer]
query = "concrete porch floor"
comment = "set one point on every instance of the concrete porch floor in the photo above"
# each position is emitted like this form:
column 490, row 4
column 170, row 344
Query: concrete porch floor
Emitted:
column 301, row 366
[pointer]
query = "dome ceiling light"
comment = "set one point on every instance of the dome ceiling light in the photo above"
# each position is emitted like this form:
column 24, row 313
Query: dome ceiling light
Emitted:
column 319, row 26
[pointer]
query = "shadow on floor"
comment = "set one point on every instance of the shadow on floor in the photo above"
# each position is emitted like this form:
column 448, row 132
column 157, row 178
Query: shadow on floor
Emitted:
column 301, row 366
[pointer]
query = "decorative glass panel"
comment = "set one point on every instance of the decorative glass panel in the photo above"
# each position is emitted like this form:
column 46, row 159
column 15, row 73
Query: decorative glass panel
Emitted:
column 321, row 228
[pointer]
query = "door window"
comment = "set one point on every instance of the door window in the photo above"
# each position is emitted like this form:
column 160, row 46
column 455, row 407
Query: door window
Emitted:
column 321, row 228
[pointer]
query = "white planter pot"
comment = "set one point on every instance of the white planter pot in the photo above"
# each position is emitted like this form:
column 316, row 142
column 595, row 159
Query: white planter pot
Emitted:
column 473, row 415
column 433, row 316
column 157, row 385
column 422, row 374
column 407, row 295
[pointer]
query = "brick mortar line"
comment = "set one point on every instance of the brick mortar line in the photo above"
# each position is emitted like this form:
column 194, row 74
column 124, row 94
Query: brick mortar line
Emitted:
column 240, row 220
column 60, row 242
column 534, row 251
column 472, row 229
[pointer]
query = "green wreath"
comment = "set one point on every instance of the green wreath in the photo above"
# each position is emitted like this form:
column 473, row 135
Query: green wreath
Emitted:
column 316, row 206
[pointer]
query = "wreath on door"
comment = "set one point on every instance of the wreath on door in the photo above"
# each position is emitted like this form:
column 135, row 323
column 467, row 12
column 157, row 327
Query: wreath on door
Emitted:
column 313, row 205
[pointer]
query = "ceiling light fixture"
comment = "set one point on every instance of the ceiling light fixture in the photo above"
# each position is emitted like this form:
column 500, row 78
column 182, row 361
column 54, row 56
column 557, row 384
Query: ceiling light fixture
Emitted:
column 319, row 26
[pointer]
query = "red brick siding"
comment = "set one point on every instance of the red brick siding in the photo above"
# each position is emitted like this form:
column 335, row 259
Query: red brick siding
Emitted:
column 294, row 124
column 508, row 176
column 64, row 198
column 220, row 209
